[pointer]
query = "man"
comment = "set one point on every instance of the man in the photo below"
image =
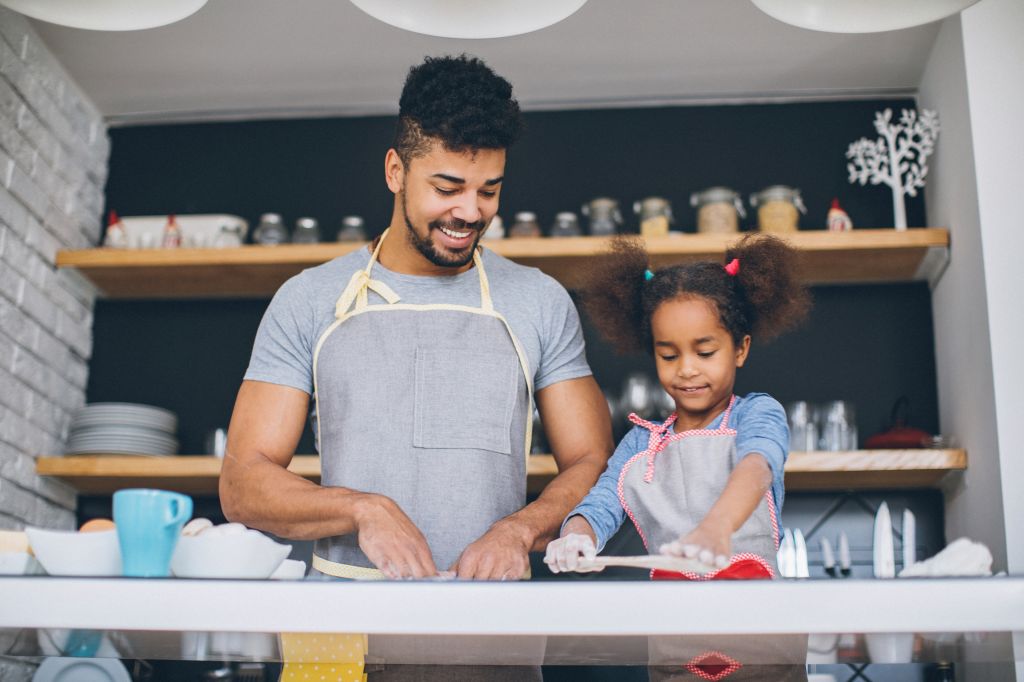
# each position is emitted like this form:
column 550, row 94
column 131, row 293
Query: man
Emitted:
column 422, row 354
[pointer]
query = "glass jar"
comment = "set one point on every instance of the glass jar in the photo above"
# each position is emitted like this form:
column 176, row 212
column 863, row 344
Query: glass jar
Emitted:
column 307, row 231
column 604, row 216
column 271, row 230
column 566, row 225
column 495, row 229
column 719, row 210
column 655, row 216
column 778, row 208
column 352, row 229
column 525, row 225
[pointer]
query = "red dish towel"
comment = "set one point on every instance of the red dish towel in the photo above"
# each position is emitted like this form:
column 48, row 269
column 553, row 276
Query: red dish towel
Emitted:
column 742, row 568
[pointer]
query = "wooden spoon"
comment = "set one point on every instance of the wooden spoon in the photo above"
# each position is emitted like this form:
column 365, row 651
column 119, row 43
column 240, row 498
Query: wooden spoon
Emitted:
column 662, row 562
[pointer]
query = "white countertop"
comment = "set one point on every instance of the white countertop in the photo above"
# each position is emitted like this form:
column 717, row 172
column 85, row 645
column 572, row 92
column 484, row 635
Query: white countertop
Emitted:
column 553, row 608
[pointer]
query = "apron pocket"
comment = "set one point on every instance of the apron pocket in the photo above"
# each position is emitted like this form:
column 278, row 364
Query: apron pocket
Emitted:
column 464, row 399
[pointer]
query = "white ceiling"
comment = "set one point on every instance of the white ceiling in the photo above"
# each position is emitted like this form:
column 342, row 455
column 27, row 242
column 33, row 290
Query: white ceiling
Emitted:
column 269, row 58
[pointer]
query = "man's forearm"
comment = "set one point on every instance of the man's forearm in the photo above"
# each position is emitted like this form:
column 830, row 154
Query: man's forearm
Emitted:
column 264, row 495
column 539, row 521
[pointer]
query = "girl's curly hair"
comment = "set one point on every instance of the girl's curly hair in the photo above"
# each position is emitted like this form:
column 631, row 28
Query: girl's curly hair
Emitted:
column 459, row 101
column 763, row 299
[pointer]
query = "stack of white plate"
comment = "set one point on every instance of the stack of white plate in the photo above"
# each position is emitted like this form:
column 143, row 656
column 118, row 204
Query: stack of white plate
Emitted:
column 124, row 429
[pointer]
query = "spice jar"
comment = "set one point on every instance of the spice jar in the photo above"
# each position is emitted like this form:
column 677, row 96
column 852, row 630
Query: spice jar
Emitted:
column 655, row 216
column 604, row 216
column 525, row 225
column 271, row 230
column 307, row 231
column 718, row 210
column 352, row 229
column 777, row 208
column 566, row 225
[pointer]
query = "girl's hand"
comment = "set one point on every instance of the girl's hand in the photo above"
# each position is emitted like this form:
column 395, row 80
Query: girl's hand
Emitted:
column 576, row 543
column 709, row 543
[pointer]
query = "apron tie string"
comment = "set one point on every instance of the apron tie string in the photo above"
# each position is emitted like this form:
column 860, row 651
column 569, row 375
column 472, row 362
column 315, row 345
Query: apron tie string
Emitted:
column 358, row 287
column 657, row 442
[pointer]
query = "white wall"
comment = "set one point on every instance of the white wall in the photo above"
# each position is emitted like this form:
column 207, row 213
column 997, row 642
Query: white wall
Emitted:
column 53, row 164
column 974, row 507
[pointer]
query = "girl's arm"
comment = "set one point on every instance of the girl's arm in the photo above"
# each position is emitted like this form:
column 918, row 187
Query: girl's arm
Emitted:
column 710, row 540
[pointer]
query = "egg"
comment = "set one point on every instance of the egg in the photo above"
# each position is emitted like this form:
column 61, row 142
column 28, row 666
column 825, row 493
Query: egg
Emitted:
column 196, row 526
column 96, row 526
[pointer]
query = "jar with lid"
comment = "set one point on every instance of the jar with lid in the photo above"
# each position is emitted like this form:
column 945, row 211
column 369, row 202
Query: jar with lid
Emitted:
column 604, row 216
column 271, row 230
column 719, row 210
column 655, row 216
column 525, row 225
column 778, row 208
column 352, row 229
column 307, row 231
column 495, row 228
column 566, row 225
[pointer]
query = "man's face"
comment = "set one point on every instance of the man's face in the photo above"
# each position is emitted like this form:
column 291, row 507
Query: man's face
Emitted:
column 448, row 199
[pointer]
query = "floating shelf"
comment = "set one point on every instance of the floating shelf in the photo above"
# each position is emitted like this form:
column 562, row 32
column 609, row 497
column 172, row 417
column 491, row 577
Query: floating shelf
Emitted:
column 860, row 256
column 197, row 475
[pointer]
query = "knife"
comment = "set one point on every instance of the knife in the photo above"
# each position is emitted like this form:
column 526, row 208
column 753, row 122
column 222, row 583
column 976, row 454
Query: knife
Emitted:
column 828, row 557
column 787, row 555
column 844, row 554
column 801, row 554
column 883, row 556
column 661, row 562
column 909, row 539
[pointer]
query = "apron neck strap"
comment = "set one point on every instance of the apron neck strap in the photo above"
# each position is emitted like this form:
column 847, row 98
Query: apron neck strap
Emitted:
column 361, row 283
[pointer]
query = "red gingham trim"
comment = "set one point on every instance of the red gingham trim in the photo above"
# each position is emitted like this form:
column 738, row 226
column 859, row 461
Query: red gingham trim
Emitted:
column 717, row 659
column 774, row 519
column 622, row 498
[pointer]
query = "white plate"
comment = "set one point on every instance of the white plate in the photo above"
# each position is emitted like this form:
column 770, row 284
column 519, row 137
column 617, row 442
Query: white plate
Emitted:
column 81, row 670
column 112, row 411
column 96, row 422
column 165, row 441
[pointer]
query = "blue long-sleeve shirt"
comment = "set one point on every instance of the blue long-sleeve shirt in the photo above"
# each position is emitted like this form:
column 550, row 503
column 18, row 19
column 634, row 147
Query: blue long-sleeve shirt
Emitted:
column 761, row 427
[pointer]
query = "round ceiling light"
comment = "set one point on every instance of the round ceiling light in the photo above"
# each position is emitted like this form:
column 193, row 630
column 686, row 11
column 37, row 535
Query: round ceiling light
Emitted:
column 470, row 18
column 107, row 15
column 860, row 16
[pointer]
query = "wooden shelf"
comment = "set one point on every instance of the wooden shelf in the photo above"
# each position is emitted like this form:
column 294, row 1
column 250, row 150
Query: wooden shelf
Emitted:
column 861, row 256
column 197, row 475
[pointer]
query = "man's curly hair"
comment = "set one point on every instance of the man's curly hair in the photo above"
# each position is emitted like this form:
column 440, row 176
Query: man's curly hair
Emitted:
column 459, row 101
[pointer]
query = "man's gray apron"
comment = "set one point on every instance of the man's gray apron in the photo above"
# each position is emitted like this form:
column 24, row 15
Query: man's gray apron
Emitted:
column 666, row 491
column 431, row 406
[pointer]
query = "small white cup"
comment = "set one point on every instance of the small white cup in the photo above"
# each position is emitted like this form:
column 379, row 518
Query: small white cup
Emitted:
column 890, row 647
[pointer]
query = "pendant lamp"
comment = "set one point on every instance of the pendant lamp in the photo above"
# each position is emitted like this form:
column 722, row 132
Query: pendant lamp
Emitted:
column 469, row 18
column 107, row 15
column 860, row 16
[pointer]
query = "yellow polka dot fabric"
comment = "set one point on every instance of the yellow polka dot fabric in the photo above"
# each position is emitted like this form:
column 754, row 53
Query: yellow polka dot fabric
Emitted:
column 316, row 657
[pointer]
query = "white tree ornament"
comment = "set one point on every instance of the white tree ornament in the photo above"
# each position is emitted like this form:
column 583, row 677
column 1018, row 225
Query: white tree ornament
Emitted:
column 897, row 158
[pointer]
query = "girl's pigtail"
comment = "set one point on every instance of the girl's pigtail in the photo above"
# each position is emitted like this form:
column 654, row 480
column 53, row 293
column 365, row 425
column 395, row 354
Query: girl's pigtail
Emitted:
column 767, row 276
column 612, row 293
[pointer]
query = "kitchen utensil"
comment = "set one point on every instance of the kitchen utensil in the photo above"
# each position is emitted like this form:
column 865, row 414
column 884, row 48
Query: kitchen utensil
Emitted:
column 828, row 557
column 352, row 229
column 800, row 546
column 148, row 525
column 307, row 231
column 655, row 216
column 909, row 539
column 661, row 562
column 525, row 225
column 271, row 230
column 495, row 229
column 248, row 554
column 899, row 435
column 787, row 555
column 883, row 558
column 778, row 208
column 63, row 552
column 845, row 563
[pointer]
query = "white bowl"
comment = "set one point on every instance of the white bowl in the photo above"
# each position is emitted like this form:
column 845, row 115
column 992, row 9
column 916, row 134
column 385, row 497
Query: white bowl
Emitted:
column 290, row 569
column 250, row 554
column 19, row 563
column 68, row 552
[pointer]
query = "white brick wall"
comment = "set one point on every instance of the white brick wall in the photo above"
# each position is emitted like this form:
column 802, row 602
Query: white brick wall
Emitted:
column 53, row 165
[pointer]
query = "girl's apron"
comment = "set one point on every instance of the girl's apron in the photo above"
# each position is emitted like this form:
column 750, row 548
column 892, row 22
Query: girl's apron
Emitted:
column 667, row 490
column 430, row 405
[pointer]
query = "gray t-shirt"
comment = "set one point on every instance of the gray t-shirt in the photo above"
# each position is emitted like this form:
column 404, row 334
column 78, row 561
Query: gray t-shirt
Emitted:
column 537, row 308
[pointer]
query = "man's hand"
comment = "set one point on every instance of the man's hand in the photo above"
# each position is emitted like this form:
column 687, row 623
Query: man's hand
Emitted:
column 502, row 553
column 390, row 540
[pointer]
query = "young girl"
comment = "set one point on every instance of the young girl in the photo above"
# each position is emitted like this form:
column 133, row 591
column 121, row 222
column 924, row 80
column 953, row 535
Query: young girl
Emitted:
column 708, row 482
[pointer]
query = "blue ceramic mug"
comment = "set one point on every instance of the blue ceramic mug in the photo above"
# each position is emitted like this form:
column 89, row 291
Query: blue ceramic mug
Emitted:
column 148, row 525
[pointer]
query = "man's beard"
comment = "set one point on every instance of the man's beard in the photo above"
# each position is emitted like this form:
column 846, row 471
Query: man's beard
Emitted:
column 442, row 258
